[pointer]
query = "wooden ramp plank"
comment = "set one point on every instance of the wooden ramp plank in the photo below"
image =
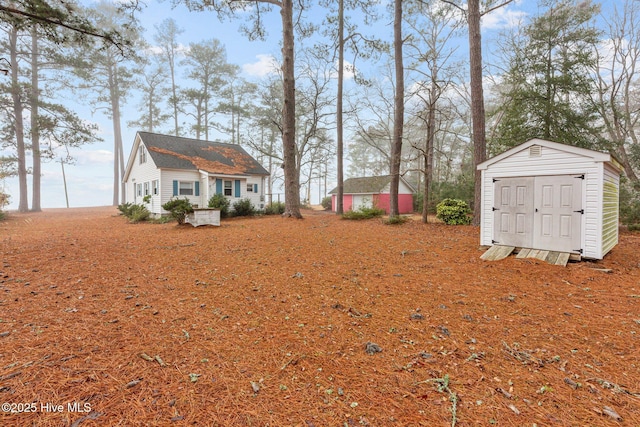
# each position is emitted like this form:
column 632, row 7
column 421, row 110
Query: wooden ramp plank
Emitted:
column 497, row 252
column 542, row 255
column 552, row 257
column 563, row 258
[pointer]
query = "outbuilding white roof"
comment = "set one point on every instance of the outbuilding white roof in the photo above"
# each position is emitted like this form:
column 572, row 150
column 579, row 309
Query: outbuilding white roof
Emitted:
column 596, row 156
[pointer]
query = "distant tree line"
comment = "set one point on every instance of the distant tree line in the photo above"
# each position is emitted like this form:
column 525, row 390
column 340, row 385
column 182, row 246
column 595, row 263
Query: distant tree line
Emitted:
column 422, row 112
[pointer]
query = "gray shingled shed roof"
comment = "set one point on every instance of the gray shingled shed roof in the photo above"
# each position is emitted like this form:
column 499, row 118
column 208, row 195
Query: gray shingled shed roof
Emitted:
column 172, row 152
column 366, row 185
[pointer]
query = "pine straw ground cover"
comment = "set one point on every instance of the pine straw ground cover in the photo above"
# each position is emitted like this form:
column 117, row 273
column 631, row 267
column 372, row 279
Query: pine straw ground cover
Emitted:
column 312, row 322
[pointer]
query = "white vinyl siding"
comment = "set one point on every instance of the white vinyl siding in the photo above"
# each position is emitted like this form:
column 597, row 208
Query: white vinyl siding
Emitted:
column 610, row 204
column 166, row 186
column 139, row 175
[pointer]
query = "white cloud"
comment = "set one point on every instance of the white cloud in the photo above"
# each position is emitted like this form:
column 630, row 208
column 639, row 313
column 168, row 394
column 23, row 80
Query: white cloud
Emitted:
column 92, row 157
column 348, row 68
column 503, row 17
column 265, row 65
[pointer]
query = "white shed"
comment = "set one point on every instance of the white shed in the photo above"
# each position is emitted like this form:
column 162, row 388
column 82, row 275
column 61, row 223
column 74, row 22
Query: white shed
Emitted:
column 550, row 196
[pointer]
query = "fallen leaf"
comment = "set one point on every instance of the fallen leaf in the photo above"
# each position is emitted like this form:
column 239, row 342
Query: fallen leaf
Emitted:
column 133, row 383
column 612, row 413
column 146, row 357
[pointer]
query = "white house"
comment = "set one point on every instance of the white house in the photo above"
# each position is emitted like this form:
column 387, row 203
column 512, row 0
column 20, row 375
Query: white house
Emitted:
column 165, row 167
column 550, row 196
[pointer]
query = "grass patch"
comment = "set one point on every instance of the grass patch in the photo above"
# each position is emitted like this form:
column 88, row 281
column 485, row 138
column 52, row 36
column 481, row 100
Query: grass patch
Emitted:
column 363, row 213
column 396, row 220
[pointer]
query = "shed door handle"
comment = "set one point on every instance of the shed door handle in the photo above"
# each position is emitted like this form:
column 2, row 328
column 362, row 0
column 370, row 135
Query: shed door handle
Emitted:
column 536, row 209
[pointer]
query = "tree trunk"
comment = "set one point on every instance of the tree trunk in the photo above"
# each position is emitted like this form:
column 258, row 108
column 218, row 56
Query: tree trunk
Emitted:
column 23, row 205
column 428, row 155
column 621, row 153
column 477, row 102
column 398, row 118
column 174, row 98
column 117, row 135
column 291, row 173
column 35, row 130
column 339, row 127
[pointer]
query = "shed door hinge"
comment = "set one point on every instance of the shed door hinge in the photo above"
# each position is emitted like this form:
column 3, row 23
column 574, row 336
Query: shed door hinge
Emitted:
column 579, row 176
column 581, row 211
column 494, row 241
column 495, row 180
column 578, row 250
column 495, row 209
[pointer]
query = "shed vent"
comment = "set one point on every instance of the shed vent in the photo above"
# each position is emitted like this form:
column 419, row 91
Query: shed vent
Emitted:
column 535, row 151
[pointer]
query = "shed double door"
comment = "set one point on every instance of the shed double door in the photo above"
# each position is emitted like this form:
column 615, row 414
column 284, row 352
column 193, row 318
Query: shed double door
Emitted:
column 542, row 212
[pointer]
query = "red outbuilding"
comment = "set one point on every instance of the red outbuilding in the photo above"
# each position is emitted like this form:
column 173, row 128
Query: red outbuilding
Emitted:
column 373, row 191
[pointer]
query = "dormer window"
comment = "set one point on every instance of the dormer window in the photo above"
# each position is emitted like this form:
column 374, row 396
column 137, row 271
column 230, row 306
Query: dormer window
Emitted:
column 143, row 154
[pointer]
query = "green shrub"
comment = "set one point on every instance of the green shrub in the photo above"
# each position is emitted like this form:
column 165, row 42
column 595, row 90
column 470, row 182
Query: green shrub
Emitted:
column 4, row 201
column 363, row 213
column 178, row 209
column 138, row 213
column 326, row 203
column 398, row 219
column 275, row 208
column 453, row 212
column 135, row 213
column 629, row 205
column 219, row 201
column 243, row 207
column 125, row 209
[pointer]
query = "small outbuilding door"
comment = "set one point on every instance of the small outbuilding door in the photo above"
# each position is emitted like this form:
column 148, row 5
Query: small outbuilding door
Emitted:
column 542, row 212
column 362, row 201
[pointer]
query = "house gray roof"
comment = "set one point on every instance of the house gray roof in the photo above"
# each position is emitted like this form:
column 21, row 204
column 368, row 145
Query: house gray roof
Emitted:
column 366, row 185
column 172, row 152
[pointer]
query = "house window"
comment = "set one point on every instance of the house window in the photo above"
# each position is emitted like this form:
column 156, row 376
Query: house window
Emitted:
column 143, row 154
column 227, row 188
column 146, row 188
column 249, row 188
column 155, row 185
column 186, row 188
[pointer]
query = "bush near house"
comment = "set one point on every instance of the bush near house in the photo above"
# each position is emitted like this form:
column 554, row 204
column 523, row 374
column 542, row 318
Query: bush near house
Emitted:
column 629, row 206
column 135, row 213
column 178, row 209
column 4, row 201
column 363, row 213
column 326, row 203
column 275, row 208
column 453, row 212
column 243, row 207
column 219, row 201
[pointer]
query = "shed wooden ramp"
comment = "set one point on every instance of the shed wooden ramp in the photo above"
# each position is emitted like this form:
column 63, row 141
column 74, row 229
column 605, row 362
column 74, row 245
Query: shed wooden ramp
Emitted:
column 552, row 257
column 498, row 252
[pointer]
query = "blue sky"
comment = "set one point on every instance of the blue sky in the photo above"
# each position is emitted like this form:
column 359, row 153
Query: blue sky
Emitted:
column 89, row 180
